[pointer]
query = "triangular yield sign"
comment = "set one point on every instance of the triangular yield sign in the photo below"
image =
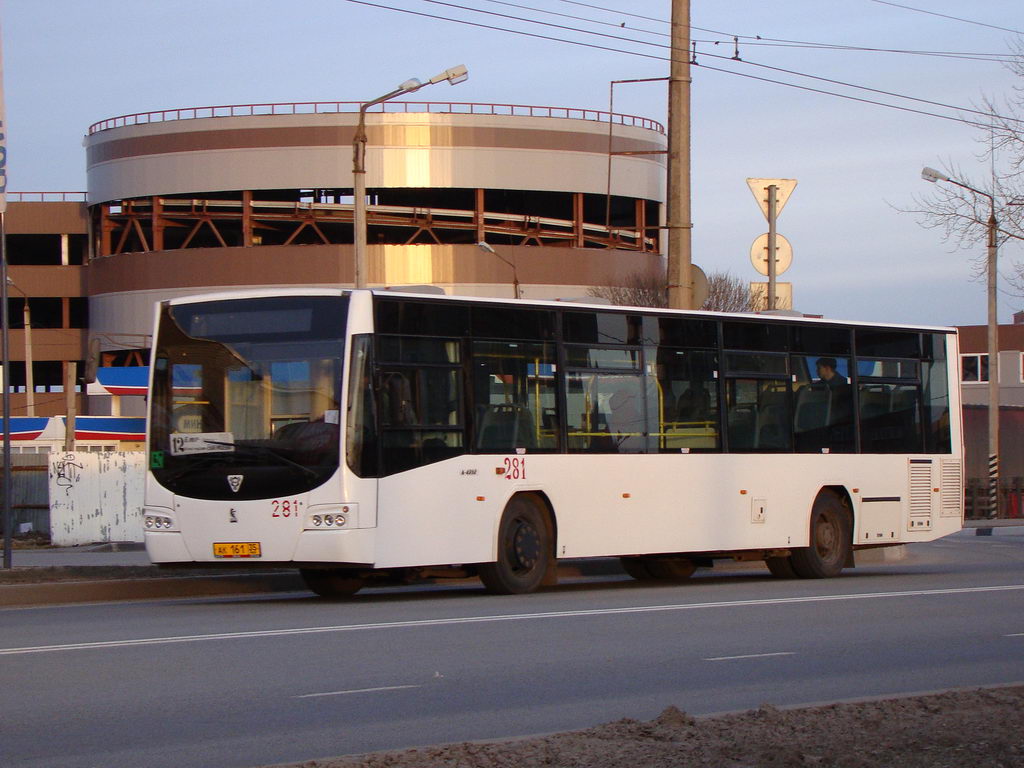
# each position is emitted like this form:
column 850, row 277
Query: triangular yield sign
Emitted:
column 784, row 188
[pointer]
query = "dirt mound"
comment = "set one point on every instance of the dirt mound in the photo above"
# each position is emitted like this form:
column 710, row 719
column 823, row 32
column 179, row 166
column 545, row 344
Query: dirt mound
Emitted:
column 977, row 728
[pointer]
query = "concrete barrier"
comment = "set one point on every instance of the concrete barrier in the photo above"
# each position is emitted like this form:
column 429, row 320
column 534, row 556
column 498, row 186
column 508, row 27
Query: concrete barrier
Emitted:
column 96, row 497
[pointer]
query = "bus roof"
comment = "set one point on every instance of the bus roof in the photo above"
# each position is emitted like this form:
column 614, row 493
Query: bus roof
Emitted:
column 574, row 304
column 599, row 306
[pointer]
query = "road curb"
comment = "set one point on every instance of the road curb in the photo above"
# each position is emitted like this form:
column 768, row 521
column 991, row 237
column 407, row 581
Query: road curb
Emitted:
column 66, row 592
column 241, row 584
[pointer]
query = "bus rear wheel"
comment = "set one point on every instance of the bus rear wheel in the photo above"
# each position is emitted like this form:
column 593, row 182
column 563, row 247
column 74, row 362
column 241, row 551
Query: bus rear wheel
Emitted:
column 830, row 543
column 332, row 582
column 524, row 549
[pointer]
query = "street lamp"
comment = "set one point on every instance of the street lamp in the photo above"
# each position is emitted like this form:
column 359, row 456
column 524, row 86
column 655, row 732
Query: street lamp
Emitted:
column 454, row 76
column 932, row 175
column 488, row 248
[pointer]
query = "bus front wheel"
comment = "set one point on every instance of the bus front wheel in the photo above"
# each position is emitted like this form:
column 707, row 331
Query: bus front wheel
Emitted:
column 830, row 543
column 524, row 549
column 332, row 582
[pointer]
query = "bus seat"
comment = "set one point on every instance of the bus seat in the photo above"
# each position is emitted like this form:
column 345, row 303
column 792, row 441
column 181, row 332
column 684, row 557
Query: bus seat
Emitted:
column 693, row 405
column 772, row 432
column 505, row 427
column 873, row 403
column 812, row 408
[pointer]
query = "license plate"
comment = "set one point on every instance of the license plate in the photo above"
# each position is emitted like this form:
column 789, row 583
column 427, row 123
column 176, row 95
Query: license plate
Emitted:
column 236, row 549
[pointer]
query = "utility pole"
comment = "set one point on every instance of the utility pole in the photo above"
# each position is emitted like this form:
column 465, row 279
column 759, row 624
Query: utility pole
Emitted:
column 5, row 338
column 680, row 283
column 993, row 362
column 30, row 387
column 992, row 227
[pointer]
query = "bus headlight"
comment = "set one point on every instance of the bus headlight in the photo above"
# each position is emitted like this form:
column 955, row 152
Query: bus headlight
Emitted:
column 154, row 522
column 338, row 517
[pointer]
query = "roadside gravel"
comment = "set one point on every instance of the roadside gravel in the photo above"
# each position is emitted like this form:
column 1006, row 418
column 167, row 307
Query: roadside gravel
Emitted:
column 982, row 728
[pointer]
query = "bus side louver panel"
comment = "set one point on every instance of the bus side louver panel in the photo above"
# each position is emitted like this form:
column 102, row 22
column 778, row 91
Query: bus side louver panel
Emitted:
column 952, row 496
column 920, row 494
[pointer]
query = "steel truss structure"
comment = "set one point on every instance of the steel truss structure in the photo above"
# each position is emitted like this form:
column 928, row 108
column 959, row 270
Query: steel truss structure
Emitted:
column 320, row 217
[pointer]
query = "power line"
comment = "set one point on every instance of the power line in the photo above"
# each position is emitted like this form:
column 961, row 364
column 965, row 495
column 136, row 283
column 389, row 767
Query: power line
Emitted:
column 491, row 27
column 706, row 67
column 768, row 42
column 577, row 18
column 864, row 88
column 620, row 12
column 759, row 40
column 782, row 42
column 543, row 23
column 716, row 56
column 998, row 58
column 974, row 123
column 945, row 16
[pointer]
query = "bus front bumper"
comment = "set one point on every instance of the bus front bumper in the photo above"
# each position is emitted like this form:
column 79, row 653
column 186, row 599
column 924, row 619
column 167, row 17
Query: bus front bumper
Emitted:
column 344, row 546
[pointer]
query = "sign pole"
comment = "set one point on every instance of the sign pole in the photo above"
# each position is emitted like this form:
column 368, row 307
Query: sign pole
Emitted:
column 771, row 196
column 772, row 244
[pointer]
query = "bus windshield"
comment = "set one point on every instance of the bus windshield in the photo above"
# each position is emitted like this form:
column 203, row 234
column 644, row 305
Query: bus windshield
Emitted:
column 245, row 396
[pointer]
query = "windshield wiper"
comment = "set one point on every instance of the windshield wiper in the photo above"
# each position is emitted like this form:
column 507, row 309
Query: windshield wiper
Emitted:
column 199, row 461
column 266, row 451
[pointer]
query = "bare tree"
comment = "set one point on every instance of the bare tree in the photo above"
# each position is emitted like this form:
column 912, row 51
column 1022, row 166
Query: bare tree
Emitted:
column 963, row 216
column 726, row 293
column 640, row 289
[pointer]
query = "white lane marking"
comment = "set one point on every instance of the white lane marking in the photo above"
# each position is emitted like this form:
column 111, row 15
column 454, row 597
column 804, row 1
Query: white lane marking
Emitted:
column 356, row 690
column 750, row 656
column 1016, row 634
column 501, row 617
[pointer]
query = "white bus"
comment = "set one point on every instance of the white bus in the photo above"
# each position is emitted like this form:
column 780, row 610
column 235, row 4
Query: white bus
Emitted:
column 372, row 437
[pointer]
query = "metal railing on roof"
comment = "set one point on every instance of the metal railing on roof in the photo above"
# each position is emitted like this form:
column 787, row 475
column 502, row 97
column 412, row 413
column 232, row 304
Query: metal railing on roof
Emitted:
column 329, row 107
column 46, row 197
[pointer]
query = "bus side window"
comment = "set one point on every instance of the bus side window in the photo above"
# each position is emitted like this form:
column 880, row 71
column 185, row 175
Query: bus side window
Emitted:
column 890, row 404
column 686, row 400
column 822, row 404
column 361, row 444
column 514, row 394
column 936, row 395
column 396, row 400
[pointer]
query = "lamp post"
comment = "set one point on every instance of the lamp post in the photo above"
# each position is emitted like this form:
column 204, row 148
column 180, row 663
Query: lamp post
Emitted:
column 454, row 76
column 932, row 175
column 488, row 248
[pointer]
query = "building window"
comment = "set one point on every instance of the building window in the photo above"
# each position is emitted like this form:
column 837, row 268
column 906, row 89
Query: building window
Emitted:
column 974, row 369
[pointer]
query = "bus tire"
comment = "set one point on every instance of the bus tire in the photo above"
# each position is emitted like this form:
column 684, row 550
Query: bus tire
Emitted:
column 830, row 542
column 658, row 567
column 524, row 549
column 671, row 568
column 332, row 582
column 636, row 567
column 780, row 567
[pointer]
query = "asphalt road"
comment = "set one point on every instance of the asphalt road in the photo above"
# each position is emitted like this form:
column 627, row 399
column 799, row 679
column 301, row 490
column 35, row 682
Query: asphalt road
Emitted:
column 261, row 680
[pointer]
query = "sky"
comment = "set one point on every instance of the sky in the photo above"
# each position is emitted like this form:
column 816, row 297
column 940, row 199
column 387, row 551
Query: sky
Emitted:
column 70, row 63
